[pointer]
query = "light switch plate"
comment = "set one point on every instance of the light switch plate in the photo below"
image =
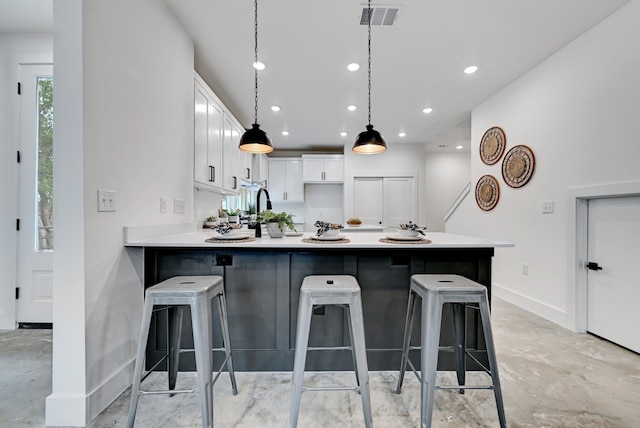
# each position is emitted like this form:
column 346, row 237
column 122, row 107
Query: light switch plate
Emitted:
column 106, row 200
column 164, row 201
column 178, row 206
column 547, row 207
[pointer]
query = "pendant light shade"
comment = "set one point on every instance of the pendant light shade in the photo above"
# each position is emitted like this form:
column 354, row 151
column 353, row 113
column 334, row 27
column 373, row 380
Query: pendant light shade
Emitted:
column 369, row 142
column 255, row 140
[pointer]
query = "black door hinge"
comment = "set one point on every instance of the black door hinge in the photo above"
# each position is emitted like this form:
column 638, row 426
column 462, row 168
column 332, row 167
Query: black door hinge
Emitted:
column 19, row 88
column 17, row 224
column 18, row 156
column 593, row 266
column 17, row 293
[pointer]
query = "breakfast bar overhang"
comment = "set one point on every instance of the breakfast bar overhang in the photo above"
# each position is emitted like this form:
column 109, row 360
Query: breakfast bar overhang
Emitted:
column 262, row 280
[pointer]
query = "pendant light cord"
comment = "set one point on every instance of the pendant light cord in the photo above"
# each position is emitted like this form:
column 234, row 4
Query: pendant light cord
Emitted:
column 255, row 61
column 369, row 28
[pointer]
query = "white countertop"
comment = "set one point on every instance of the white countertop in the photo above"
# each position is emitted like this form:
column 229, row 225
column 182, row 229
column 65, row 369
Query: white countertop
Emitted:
column 179, row 236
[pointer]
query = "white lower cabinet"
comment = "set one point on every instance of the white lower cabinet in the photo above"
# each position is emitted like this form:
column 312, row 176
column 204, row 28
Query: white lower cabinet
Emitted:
column 285, row 180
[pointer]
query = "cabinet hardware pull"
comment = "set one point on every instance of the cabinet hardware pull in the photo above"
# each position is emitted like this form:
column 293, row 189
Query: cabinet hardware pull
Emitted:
column 235, row 182
column 248, row 173
column 212, row 173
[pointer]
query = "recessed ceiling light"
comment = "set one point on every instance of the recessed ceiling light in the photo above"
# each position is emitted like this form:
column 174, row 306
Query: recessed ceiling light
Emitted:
column 402, row 134
column 259, row 65
column 353, row 66
column 285, row 133
column 471, row 69
column 459, row 147
column 352, row 108
column 275, row 108
column 343, row 134
column 427, row 110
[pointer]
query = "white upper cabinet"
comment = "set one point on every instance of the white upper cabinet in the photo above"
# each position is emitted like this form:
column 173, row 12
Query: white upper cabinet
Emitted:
column 217, row 162
column 323, row 168
column 247, row 172
column 285, row 180
column 207, row 160
column 255, row 167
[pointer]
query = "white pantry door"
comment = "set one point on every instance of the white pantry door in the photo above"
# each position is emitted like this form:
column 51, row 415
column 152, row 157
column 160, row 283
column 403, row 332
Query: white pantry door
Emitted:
column 35, row 237
column 367, row 203
column 613, row 286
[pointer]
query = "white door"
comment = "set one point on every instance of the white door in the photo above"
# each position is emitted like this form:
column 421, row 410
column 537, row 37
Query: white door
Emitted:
column 35, row 198
column 399, row 201
column 367, row 203
column 614, row 290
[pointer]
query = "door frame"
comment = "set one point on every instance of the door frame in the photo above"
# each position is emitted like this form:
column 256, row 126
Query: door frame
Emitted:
column 578, row 222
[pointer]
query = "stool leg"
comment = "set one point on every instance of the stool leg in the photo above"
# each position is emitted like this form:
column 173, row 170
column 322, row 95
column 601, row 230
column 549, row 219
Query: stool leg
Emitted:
column 459, row 341
column 174, row 333
column 353, row 354
column 201, row 324
column 360, row 350
column 137, row 372
column 305, row 310
column 224, row 323
column 406, row 341
column 430, row 339
column 493, row 363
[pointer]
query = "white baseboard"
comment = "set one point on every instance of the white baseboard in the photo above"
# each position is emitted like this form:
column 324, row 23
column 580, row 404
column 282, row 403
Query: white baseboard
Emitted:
column 101, row 397
column 536, row 307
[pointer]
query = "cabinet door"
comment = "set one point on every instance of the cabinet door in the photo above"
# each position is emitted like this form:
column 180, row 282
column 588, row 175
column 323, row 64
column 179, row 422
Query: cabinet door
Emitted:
column 247, row 166
column 207, row 139
column 367, row 204
column 277, row 184
column 334, row 170
column 313, row 170
column 230, row 157
column 295, row 185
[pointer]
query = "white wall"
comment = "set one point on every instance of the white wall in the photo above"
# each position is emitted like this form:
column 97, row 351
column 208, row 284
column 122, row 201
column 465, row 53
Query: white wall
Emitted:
column 398, row 157
column 578, row 111
column 446, row 175
column 124, row 121
column 321, row 202
column 15, row 49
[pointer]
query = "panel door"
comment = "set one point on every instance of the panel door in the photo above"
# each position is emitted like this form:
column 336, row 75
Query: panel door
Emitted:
column 313, row 170
column 277, row 185
column 613, row 292
column 295, row 185
column 334, row 170
column 399, row 201
column 367, row 204
column 35, row 204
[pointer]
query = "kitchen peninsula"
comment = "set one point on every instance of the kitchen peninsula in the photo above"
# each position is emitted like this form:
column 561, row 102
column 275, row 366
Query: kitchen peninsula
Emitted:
column 262, row 280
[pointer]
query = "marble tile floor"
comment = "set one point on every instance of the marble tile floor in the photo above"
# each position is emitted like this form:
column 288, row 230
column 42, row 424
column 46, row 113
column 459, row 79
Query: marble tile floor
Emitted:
column 551, row 377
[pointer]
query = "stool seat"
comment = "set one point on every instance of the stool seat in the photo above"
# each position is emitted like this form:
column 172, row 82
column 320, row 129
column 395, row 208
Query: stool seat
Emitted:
column 435, row 291
column 343, row 291
column 173, row 295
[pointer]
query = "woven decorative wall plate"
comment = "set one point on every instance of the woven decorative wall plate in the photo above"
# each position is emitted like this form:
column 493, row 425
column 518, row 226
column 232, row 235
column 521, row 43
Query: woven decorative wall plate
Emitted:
column 487, row 192
column 517, row 166
column 492, row 145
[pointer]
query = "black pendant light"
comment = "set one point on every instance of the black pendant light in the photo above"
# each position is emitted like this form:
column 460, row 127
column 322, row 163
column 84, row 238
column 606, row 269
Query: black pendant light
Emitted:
column 369, row 142
column 255, row 140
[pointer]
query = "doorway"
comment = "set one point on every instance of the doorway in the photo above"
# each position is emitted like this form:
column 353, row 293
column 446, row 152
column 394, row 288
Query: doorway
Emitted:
column 35, row 196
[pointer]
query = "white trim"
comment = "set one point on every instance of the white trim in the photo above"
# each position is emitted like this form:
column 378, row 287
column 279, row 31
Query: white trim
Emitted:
column 463, row 194
column 101, row 397
column 578, row 198
column 537, row 307
column 66, row 410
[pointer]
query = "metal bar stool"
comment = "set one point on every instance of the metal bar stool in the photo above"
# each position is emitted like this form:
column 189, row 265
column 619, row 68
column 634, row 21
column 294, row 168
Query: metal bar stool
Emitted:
column 174, row 294
column 435, row 291
column 343, row 291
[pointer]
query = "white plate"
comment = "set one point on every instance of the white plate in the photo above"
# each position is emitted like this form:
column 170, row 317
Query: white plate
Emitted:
column 397, row 237
column 232, row 236
column 328, row 238
column 292, row 233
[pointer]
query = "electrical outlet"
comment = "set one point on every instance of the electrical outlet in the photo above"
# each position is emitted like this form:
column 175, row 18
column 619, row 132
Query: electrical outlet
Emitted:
column 525, row 268
column 547, row 207
column 106, row 200
column 178, row 206
column 164, row 201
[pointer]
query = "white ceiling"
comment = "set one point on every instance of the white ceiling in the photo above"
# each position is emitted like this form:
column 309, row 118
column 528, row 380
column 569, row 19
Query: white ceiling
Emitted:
column 416, row 63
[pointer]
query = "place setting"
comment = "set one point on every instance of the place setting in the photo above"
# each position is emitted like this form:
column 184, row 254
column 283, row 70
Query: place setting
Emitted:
column 408, row 233
column 327, row 233
column 227, row 233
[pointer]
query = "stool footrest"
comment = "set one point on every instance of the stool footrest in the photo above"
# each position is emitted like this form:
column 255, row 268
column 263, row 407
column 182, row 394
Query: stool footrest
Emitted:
column 464, row 386
column 168, row 391
column 329, row 348
column 330, row 388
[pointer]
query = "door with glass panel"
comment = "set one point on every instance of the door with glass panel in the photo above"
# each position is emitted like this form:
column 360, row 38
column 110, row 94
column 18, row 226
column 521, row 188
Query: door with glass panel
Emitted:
column 35, row 196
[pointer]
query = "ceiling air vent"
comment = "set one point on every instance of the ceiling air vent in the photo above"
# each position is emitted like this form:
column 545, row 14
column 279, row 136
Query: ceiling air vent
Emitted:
column 381, row 14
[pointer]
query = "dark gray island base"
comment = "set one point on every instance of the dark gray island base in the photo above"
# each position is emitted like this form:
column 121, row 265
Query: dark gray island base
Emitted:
column 262, row 288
